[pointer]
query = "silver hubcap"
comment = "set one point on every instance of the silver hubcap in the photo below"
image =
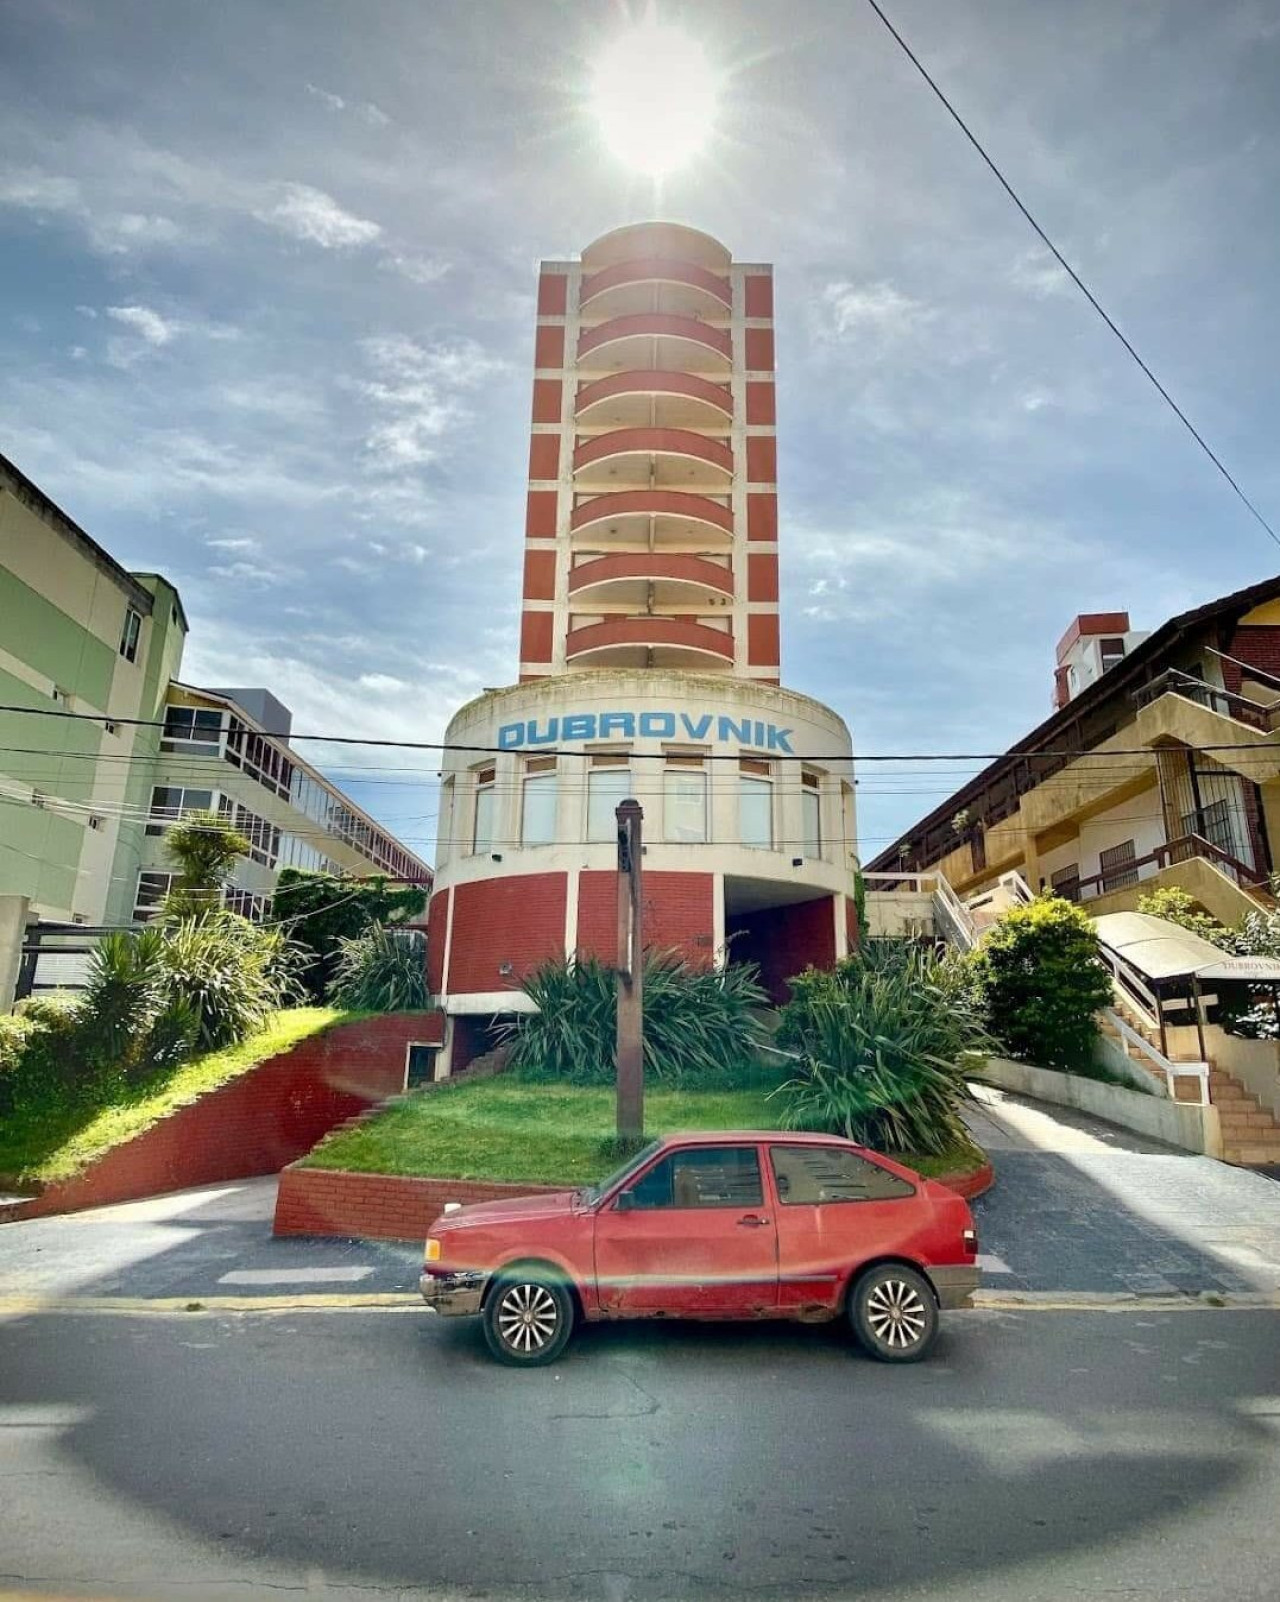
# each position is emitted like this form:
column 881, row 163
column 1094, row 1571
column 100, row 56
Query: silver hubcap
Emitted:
column 527, row 1317
column 896, row 1313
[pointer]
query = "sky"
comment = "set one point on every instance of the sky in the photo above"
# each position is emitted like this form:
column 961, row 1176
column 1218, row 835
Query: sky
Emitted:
column 266, row 324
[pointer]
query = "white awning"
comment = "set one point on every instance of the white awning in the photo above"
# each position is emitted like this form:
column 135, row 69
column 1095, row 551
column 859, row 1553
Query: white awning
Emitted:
column 1157, row 948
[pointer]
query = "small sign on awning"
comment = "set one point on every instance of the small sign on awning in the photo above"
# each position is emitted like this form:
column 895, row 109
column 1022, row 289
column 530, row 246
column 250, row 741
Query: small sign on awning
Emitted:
column 1248, row 970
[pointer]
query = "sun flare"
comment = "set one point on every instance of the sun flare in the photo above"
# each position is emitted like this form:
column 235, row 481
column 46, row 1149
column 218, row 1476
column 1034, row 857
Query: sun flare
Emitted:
column 654, row 96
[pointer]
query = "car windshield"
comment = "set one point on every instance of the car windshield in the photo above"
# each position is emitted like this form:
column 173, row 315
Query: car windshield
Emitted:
column 593, row 1193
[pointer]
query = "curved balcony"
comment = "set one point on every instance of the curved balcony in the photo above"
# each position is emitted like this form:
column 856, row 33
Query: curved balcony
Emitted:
column 628, row 340
column 647, row 395
column 696, row 452
column 627, row 576
column 666, row 515
column 710, row 287
column 667, row 239
column 625, row 641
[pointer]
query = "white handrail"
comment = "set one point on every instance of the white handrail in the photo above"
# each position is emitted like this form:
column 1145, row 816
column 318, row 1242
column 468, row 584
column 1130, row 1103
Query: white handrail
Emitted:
column 1129, row 1036
column 1120, row 969
column 950, row 904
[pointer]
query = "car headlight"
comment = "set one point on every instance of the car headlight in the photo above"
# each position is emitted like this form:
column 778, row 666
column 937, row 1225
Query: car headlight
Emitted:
column 433, row 1251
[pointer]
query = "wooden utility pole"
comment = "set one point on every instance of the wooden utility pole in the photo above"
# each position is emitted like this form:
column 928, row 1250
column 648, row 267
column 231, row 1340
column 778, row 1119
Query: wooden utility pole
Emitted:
column 630, row 973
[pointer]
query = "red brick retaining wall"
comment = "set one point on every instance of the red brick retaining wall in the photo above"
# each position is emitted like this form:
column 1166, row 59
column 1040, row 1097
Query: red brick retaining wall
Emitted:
column 331, row 1201
column 257, row 1123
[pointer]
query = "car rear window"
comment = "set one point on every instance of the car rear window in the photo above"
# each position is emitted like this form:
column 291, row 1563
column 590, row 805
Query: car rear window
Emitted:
column 809, row 1176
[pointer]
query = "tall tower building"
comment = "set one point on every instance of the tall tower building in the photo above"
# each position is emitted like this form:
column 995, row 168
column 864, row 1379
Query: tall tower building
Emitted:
column 652, row 521
column 649, row 657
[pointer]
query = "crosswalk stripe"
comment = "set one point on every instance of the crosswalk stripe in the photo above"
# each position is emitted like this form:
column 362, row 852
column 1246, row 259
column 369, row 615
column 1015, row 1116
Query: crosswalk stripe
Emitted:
column 294, row 1276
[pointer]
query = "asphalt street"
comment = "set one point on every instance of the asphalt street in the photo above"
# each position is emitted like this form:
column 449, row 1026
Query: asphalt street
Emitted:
column 341, row 1454
column 155, row 1443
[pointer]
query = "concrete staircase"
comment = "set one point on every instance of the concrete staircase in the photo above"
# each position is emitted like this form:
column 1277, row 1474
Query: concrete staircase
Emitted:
column 1250, row 1133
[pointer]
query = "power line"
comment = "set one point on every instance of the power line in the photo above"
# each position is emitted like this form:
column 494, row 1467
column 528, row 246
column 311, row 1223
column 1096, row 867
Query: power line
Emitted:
column 541, row 750
column 1073, row 274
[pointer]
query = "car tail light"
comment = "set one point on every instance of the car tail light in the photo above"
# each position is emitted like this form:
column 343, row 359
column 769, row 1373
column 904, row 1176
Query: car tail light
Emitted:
column 970, row 1239
column 432, row 1253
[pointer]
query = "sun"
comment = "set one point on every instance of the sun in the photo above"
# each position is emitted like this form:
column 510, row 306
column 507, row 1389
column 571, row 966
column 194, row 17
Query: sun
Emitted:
column 654, row 96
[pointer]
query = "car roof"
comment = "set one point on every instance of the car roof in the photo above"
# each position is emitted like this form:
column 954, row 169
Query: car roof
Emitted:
column 712, row 1137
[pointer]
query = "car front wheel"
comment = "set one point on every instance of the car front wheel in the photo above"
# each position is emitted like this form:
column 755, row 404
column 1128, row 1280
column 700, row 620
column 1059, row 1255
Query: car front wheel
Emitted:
column 894, row 1313
column 528, row 1319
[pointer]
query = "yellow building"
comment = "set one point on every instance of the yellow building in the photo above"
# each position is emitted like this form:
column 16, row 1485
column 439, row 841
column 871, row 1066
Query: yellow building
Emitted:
column 1159, row 765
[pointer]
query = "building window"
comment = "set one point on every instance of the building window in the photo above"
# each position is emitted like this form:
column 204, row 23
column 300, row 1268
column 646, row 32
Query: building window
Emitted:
column 263, row 837
column 245, row 903
column 259, row 757
column 482, row 833
column 153, row 887
column 193, row 728
column 608, row 784
column 1117, row 865
column 1066, row 882
column 684, row 798
column 130, row 634
column 1213, row 823
column 811, row 814
column 755, row 803
column 538, row 802
column 1110, row 652
column 171, row 802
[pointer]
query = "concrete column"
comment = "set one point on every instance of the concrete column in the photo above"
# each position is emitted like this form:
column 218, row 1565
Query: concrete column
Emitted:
column 13, row 923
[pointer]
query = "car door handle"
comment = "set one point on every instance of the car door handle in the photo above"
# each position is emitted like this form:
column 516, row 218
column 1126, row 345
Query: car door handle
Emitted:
column 752, row 1221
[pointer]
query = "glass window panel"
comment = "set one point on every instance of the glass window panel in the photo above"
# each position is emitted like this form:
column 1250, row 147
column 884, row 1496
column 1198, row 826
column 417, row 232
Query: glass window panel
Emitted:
column 482, row 838
column 685, row 804
column 810, row 1176
column 811, row 816
column 755, row 811
column 538, row 815
column 606, row 787
column 727, row 1176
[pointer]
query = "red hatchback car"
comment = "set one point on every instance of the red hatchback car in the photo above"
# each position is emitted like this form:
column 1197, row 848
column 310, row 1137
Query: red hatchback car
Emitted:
column 744, row 1225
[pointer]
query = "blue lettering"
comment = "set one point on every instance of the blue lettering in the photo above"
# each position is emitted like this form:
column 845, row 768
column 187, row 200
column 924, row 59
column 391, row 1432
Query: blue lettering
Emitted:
column 510, row 735
column 698, row 730
column 657, row 725
column 727, row 729
column 759, row 734
column 780, row 740
column 550, row 737
column 579, row 726
column 623, row 723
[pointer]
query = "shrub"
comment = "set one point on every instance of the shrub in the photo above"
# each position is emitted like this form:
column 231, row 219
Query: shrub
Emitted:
column 1038, row 967
column 879, row 1042
column 320, row 911
column 698, row 1022
column 231, row 974
column 1176, row 906
column 382, row 970
column 122, row 996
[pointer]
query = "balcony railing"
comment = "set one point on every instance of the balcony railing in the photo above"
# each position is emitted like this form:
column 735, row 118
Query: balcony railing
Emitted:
column 1226, row 702
column 1123, row 875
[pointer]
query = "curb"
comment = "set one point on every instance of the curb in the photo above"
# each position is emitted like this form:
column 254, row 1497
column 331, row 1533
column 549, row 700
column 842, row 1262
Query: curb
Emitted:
column 972, row 1182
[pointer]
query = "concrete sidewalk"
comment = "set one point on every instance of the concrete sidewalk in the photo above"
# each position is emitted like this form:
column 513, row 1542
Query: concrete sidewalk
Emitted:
column 1083, row 1205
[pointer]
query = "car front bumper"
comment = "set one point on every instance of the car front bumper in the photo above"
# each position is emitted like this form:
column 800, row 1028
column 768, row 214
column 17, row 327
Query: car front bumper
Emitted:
column 454, row 1295
column 955, row 1285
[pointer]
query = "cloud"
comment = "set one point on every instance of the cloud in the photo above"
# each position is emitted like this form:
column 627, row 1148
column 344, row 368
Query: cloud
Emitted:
column 364, row 109
column 153, row 328
column 417, row 389
column 1037, row 273
column 417, row 269
column 853, row 309
column 37, row 191
column 311, row 215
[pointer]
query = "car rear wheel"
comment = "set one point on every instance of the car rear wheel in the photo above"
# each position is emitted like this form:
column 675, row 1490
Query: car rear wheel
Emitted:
column 894, row 1313
column 528, row 1319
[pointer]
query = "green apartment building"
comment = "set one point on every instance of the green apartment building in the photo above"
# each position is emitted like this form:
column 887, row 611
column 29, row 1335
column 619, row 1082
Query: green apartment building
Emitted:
column 84, row 804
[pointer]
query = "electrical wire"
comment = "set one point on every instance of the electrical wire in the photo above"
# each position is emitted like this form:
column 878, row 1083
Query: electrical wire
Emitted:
column 1073, row 274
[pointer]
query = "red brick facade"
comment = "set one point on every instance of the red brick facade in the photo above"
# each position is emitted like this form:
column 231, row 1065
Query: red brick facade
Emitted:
column 257, row 1123
column 678, row 915
column 1256, row 644
column 517, row 921
column 784, row 941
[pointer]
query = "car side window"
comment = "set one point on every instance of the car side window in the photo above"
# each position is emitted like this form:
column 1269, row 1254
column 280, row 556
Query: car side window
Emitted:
column 708, row 1176
column 808, row 1176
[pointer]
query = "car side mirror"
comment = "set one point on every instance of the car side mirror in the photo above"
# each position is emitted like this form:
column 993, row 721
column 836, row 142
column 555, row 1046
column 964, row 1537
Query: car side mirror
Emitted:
column 625, row 1201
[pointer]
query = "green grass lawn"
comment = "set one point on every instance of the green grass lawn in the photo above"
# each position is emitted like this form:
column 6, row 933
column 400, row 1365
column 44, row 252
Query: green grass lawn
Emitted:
column 54, row 1141
column 503, row 1129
